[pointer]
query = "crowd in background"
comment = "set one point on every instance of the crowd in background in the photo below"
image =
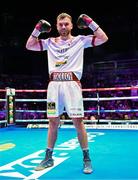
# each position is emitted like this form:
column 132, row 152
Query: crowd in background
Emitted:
column 88, row 81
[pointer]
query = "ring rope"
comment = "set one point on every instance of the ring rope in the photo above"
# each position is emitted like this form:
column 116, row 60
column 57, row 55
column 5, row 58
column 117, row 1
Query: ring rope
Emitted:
column 90, row 111
column 69, row 120
column 2, row 100
column 87, row 90
column 85, row 99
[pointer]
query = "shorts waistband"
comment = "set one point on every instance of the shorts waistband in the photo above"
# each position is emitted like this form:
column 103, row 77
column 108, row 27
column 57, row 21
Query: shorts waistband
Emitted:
column 63, row 76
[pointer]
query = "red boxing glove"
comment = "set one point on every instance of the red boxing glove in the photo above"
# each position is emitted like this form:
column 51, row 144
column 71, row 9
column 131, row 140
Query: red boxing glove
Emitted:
column 41, row 27
column 83, row 21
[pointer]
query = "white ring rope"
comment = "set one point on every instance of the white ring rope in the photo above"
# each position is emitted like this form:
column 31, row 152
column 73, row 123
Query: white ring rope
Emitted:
column 85, row 99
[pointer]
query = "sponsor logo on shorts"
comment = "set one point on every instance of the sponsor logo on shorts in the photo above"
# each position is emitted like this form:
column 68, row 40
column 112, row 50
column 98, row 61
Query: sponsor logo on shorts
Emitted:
column 75, row 109
column 51, row 108
column 76, row 114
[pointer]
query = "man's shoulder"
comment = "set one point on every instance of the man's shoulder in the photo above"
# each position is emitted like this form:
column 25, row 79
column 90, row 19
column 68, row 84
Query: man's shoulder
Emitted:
column 79, row 37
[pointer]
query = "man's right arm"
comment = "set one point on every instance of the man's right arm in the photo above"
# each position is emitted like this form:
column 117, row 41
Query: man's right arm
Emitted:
column 34, row 43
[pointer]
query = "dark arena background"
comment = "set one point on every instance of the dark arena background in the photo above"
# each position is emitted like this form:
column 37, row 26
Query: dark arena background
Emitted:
column 109, row 86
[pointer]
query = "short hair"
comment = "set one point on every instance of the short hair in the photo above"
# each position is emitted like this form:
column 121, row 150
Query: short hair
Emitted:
column 63, row 15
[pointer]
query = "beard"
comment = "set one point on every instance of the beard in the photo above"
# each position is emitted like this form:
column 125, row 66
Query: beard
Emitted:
column 64, row 33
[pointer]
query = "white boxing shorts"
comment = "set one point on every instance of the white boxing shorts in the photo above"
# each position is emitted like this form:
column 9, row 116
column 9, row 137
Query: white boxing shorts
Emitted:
column 64, row 94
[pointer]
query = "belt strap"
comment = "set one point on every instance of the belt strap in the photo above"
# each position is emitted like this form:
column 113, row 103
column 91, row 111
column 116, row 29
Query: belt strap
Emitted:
column 63, row 76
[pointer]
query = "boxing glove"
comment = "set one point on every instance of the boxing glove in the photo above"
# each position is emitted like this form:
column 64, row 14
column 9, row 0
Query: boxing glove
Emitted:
column 41, row 27
column 84, row 21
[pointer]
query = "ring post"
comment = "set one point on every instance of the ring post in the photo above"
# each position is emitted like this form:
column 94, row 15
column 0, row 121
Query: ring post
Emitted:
column 98, row 107
column 10, row 105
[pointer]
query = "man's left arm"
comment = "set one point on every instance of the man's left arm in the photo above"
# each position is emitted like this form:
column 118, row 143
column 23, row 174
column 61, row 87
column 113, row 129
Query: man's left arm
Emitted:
column 84, row 21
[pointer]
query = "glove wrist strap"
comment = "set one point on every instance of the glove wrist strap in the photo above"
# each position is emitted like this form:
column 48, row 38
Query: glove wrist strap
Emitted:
column 94, row 26
column 35, row 33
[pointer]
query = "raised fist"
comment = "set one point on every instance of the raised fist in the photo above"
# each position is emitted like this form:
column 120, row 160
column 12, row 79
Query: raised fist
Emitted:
column 43, row 26
column 83, row 21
